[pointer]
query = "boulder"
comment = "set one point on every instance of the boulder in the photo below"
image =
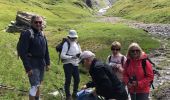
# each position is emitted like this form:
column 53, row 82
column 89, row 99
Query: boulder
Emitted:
column 21, row 23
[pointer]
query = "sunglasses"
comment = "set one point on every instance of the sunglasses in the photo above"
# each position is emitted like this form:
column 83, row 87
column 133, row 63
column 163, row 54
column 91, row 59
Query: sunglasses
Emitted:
column 134, row 51
column 114, row 49
column 36, row 22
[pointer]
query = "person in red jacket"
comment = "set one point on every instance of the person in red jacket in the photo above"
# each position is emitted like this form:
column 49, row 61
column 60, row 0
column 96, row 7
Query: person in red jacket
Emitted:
column 137, row 81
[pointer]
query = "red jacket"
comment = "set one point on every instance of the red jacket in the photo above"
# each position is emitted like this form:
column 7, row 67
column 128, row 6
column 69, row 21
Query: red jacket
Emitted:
column 134, row 68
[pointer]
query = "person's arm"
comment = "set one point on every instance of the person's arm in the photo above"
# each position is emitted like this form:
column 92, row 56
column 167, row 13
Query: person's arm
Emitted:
column 149, row 76
column 64, row 52
column 47, row 57
column 125, row 74
column 90, row 84
column 24, row 43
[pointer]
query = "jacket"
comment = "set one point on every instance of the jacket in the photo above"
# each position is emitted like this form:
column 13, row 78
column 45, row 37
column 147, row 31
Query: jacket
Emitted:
column 134, row 69
column 34, row 51
column 105, row 81
column 67, row 55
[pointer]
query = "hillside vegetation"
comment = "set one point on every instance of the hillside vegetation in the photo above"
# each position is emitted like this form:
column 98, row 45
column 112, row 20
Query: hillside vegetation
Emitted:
column 157, row 11
column 61, row 15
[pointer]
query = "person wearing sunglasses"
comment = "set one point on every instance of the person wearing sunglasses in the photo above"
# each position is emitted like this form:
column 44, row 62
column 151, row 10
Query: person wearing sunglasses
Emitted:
column 134, row 77
column 104, row 80
column 70, row 57
column 34, row 55
column 116, row 60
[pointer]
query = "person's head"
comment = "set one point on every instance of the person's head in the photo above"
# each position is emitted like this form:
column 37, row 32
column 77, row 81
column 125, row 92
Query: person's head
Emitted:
column 115, row 47
column 86, row 58
column 72, row 35
column 37, row 22
column 134, row 51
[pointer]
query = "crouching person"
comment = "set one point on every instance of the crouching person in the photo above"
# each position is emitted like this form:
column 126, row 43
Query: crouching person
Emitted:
column 104, row 80
column 33, row 51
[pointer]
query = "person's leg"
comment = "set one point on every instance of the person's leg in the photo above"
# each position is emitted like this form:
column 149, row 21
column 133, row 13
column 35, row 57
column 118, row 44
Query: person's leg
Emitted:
column 76, row 80
column 133, row 96
column 34, row 81
column 41, row 76
column 67, row 72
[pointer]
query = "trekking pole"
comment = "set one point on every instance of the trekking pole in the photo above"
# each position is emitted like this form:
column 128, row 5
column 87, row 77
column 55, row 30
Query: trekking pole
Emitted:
column 134, row 93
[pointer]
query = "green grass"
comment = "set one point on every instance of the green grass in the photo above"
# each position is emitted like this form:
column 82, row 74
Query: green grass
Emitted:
column 157, row 11
column 61, row 17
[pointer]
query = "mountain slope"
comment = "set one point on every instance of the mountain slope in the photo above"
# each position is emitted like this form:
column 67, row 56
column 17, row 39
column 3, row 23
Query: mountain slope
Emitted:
column 61, row 15
column 157, row 11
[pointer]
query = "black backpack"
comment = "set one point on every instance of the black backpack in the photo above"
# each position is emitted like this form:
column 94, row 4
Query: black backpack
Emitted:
column 144, row 68
column 59, row 47
column 19, row 41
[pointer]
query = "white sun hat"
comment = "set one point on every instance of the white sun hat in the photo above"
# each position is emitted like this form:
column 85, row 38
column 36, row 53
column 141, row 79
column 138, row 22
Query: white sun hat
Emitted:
column 72, row 34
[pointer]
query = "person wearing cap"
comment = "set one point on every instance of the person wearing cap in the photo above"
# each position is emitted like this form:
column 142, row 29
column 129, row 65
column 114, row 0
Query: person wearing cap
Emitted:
column 71, row 63
column 104, row 80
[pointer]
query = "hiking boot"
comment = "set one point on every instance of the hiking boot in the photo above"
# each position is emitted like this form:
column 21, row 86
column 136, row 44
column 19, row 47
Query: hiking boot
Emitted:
column 74, row 96
column 68, row 98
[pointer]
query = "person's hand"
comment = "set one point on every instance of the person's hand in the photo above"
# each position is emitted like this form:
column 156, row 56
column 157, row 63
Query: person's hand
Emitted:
column 30, row 73
column 129, row 85
column 48, row 67
column 94, row 92
column 134, row 83
column 84, row 87
column 120, row 68
column 74, row 57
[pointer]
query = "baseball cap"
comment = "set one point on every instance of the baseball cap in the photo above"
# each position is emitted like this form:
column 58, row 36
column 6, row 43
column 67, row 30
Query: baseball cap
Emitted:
column 86, row 54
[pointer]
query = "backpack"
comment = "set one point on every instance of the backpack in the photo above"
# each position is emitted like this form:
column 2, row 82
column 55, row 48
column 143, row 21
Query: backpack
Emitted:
column 59, row 47
column 122, row 59
column 144, row 68
column 19, row 41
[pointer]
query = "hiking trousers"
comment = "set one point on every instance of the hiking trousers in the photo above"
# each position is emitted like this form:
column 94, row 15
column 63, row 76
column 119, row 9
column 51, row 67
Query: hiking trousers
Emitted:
column 69, row 71
column 139, row 96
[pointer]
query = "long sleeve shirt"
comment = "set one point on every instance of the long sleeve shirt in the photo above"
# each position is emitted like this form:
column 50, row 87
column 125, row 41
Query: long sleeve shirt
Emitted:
column 67, row 53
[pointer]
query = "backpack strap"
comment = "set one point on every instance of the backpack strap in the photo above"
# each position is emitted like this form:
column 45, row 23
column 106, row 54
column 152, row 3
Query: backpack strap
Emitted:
column 122, row 60
column 144, row 69
column 68, row 45
column 144, row 65
column 110, row 58
column 32, row 33
column 127, row 62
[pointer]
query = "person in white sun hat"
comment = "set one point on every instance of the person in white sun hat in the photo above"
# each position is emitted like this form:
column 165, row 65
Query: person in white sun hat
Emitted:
column 70, row 58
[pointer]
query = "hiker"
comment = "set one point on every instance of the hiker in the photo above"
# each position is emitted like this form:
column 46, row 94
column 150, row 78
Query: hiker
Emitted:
column 104, row 80
column 34, row 55
column 134, row 77
column 116, row 60
column 70, row 59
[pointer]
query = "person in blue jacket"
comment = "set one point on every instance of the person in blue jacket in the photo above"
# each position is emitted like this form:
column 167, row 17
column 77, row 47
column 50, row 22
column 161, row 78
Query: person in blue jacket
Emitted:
column 34, row 55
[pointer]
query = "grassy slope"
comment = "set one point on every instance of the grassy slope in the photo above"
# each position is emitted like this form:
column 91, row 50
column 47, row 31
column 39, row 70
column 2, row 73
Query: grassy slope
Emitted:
column 64, row 16
column 157, row 11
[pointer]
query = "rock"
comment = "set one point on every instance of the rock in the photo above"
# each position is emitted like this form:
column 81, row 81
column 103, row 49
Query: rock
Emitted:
column 22, row 22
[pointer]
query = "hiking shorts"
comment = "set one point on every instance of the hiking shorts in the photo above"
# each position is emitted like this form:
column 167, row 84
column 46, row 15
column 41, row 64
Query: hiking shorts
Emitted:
column 37, row 77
